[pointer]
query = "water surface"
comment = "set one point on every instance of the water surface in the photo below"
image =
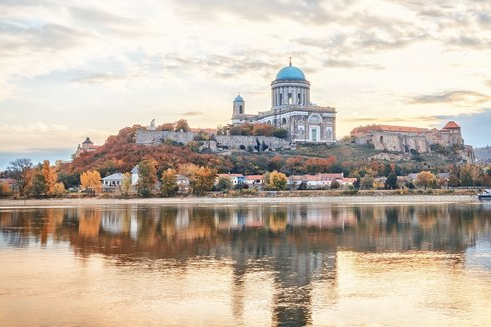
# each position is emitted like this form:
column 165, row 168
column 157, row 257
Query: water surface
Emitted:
column 252, row 265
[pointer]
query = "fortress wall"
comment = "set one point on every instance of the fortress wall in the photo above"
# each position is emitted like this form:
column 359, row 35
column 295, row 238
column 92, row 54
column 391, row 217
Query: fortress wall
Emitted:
column 235, row 141
column 156, row 137
column 230, row 141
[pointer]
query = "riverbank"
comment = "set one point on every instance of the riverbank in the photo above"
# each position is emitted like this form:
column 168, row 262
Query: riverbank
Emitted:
column 352, row 199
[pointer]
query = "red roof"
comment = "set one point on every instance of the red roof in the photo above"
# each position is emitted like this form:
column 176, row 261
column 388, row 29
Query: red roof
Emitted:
column 451, row 125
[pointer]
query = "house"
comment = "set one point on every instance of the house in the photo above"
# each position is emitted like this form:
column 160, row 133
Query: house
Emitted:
column 236, row 179
column 112, row 182
column 315, row 181
column 183, row 184
column 254, row 180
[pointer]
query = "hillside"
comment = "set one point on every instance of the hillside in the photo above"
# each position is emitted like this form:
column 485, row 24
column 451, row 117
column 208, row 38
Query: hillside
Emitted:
column 120, row 153
column 483, row 154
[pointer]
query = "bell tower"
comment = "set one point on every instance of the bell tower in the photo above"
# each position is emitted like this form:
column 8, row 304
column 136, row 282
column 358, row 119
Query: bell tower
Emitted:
column 238, row 115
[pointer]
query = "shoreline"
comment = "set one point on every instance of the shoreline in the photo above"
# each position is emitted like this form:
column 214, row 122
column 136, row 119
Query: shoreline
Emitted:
column 352, row 199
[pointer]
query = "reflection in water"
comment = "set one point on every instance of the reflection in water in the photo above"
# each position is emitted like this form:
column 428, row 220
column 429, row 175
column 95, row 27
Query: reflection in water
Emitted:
column 308, row 256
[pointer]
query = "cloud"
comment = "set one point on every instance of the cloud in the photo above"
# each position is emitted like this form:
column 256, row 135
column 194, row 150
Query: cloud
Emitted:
column 397, row 120
column 460, row 98
column 305, row 11
column 193, row 113
column 488, row 83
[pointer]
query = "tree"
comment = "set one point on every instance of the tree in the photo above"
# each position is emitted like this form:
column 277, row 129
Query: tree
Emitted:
column 181, row 125
column 18, row 170
column 367, row 182
column 91, row 181
column 335, row 185
column 391, row 181
column 58, row 189
column 147, row 177
column 169, row 185
column 50, row 178
column 202, row 180
column 425, row 179
column 280, row 133
column 224, row 184
column 276, row 181
column 126, row 184
column 4, row 189
column 37, row 187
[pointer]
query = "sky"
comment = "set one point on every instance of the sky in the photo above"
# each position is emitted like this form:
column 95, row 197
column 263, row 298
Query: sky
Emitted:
column 72, row 69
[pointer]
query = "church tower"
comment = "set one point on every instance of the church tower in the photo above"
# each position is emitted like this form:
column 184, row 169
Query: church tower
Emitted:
column 238, row 115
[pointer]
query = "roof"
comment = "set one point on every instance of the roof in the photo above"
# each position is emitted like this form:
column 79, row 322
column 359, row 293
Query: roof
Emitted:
column 317, row 178
column 135, row 170
column 238, row 98
column 87, row 140
column 116, row 176
column 253, row 177
column 290, row 73
column 230, row 175
column 451, row 125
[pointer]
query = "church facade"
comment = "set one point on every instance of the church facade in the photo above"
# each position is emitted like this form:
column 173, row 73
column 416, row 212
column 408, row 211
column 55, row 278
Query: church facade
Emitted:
column 292, row 110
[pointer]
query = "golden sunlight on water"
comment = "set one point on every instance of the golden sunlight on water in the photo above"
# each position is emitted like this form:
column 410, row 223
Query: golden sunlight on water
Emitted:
column 255, row 265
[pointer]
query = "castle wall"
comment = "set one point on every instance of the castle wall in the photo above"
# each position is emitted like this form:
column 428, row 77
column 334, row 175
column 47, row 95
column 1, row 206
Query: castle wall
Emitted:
column 156, row 137
column 147, row 137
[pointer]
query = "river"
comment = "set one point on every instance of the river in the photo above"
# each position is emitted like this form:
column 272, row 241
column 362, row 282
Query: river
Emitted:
column 246, row 264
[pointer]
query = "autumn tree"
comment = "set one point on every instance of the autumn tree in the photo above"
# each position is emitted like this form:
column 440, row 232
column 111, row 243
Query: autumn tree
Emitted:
column 181, row 125
column 50, row 178
column 91, row 181
column 5, row 189
column 425, row 179
column 169, row 185
column 58, row 189
column 276, row 181
column 168, row 127
column 147, row 177
column 202, row 180
column 126, row 184
column 37, row 187
column 19, row 170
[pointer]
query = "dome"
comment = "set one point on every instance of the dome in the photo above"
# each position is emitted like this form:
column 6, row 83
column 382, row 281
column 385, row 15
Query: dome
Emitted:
column 290, row 73
column 238, row 99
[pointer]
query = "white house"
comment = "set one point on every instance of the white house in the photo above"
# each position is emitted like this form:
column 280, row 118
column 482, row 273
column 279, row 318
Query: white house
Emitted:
column 134, row 175
column 112, row 182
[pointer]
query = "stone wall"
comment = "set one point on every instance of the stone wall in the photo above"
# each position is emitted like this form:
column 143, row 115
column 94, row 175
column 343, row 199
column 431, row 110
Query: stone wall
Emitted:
column 217, row 143
column 236, row 141
column 157, row 137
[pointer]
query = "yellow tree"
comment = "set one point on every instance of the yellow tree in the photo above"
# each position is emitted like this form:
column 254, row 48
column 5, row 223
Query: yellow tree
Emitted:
column 91, row 181
column 126, row 184
column 425, row 178
column 169, row 183
column 202, row 180
column 147, row 171
column 58, row 189
column 50, row 178
column 276, row 181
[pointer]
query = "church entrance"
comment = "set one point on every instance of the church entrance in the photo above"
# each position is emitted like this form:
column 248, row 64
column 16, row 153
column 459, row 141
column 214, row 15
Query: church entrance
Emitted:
column 314, row 134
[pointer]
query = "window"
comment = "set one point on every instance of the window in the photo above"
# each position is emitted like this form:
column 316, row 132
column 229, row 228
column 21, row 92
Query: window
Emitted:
column 240, row 110
column 315, row 119
column 290, row 98
column 299, row 99
column 283, row 121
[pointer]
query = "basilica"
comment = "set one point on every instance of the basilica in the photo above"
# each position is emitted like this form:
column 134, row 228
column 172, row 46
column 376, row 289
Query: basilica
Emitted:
column 292, row 110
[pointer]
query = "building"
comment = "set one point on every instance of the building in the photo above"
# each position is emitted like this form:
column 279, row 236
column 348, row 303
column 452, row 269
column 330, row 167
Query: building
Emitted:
column 409, row 139
column 87, row 146
column 112, row 182
column 292, row 110
column 235, row 179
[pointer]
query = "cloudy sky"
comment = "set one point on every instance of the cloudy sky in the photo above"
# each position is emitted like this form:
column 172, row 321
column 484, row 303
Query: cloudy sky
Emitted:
column 71, row 69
